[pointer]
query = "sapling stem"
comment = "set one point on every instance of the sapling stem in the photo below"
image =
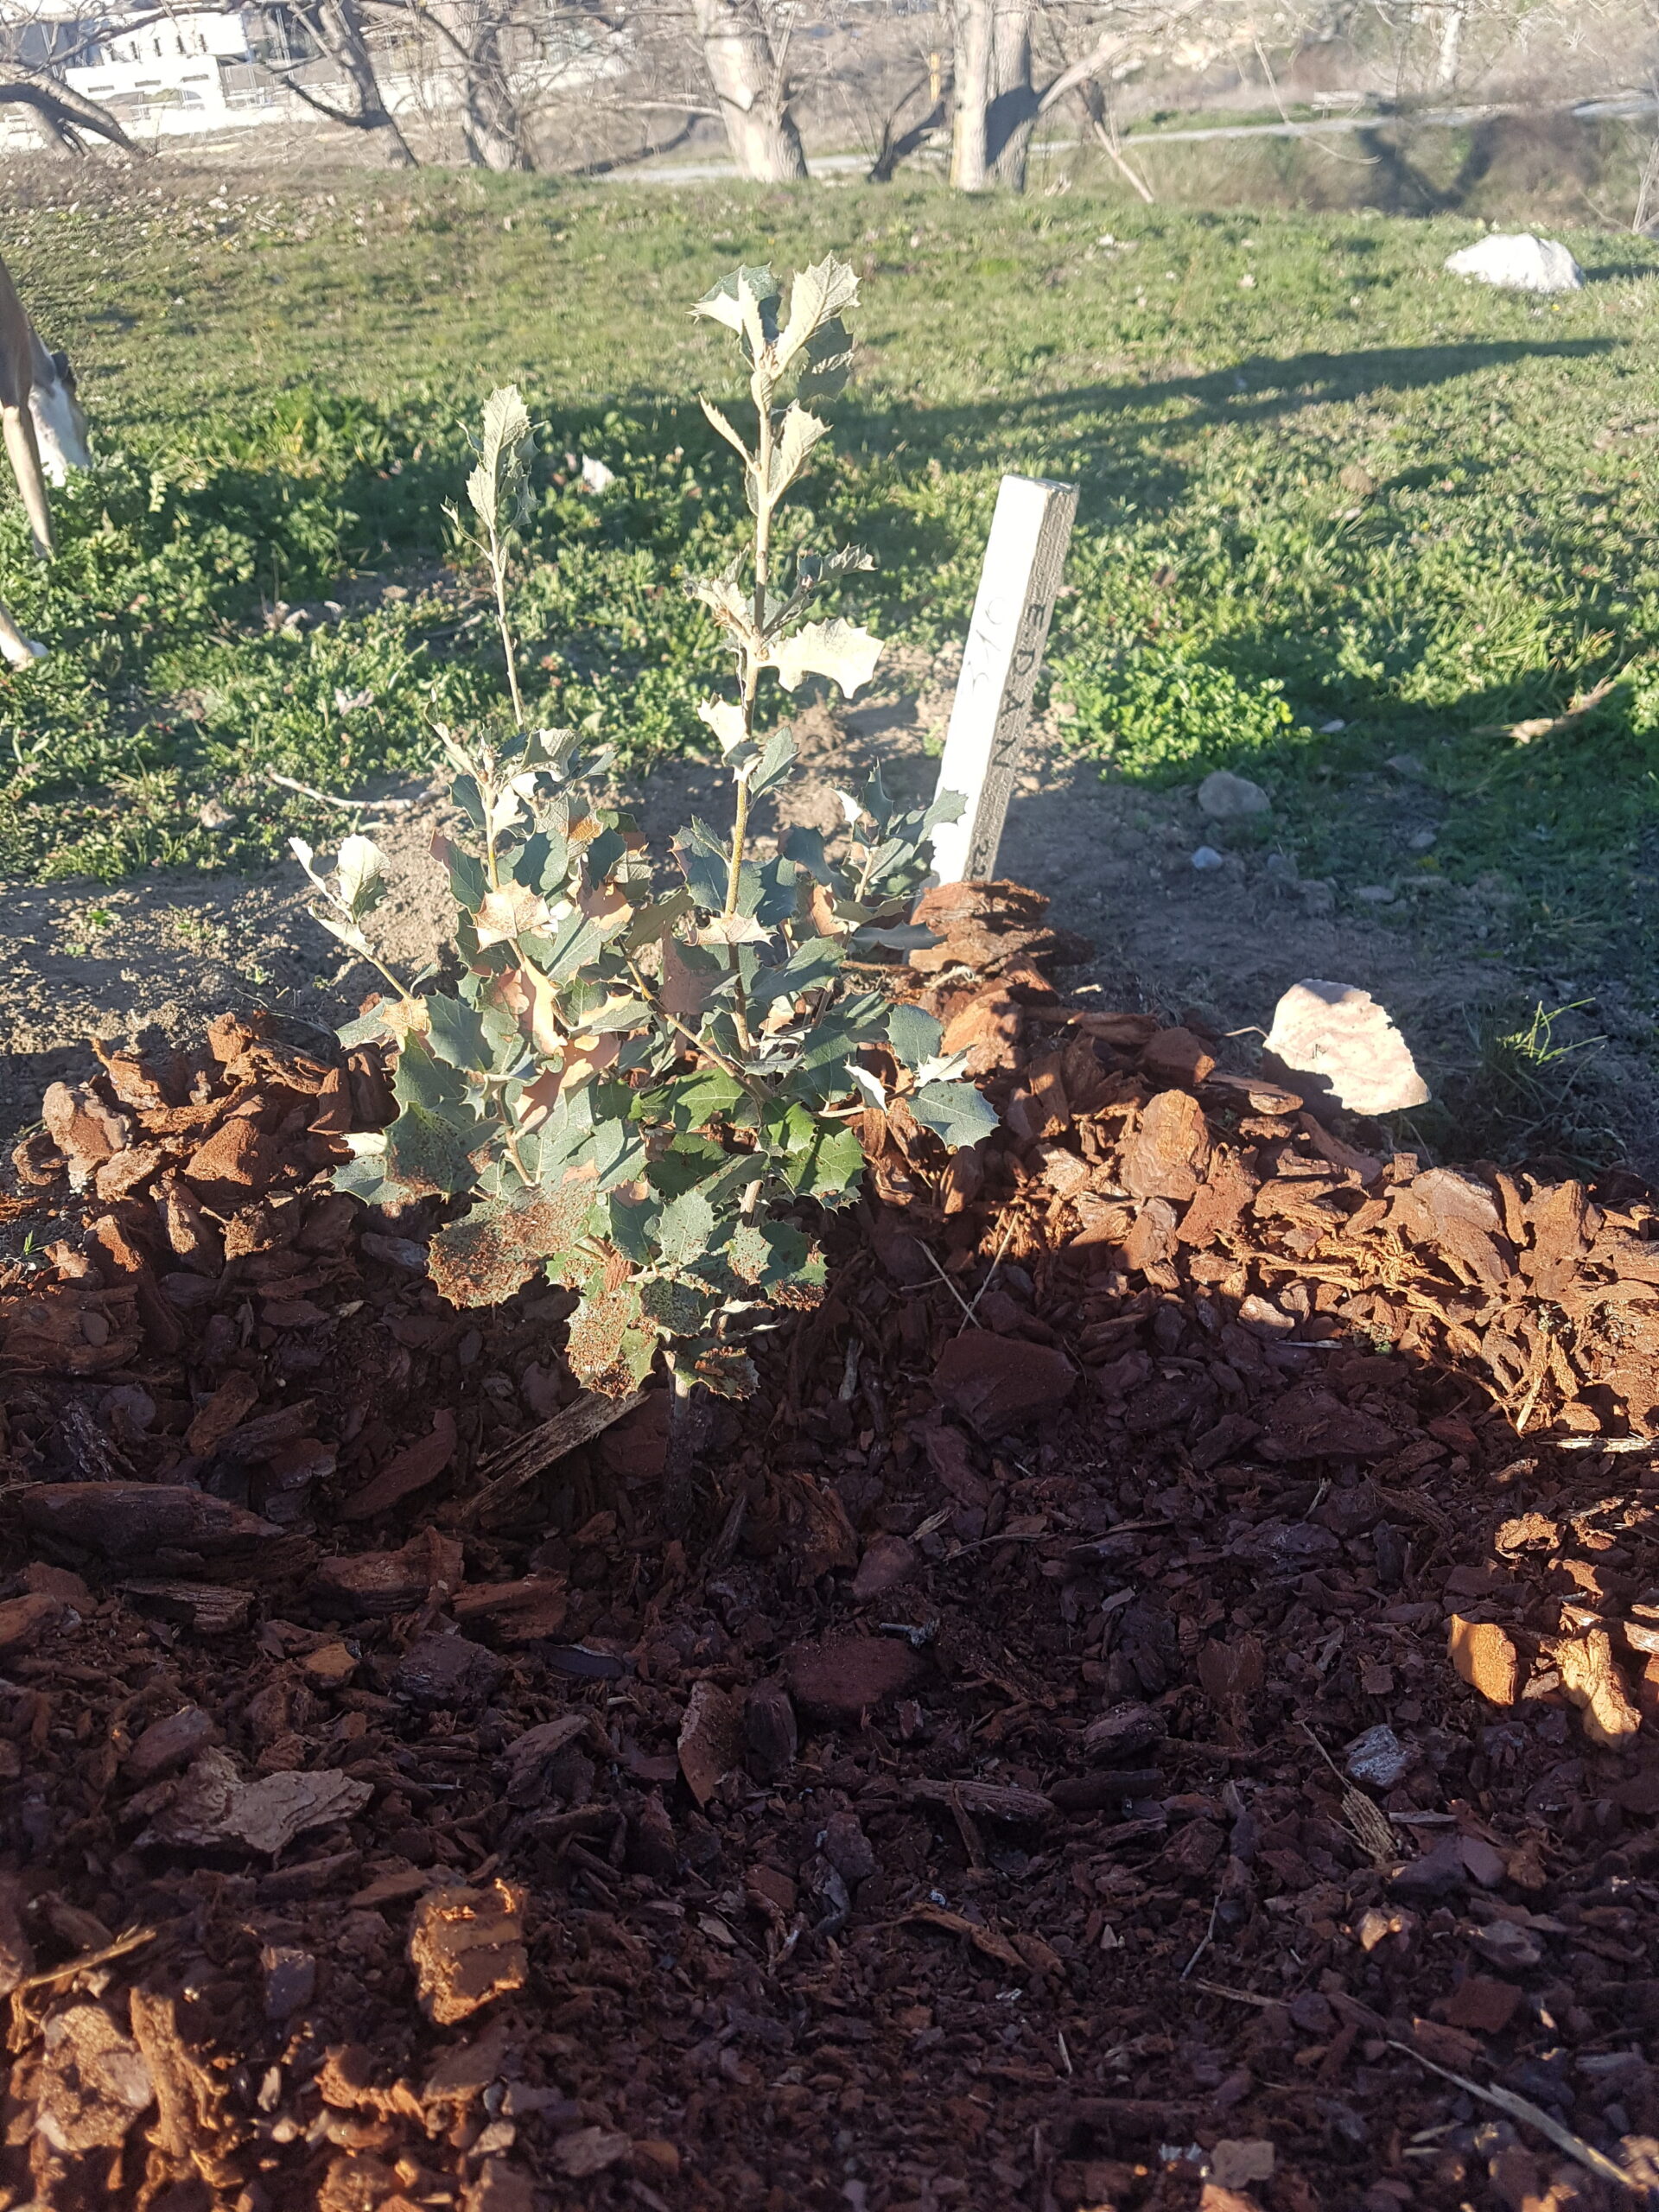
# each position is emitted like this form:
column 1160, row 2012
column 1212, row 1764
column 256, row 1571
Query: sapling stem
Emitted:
column 498, row 574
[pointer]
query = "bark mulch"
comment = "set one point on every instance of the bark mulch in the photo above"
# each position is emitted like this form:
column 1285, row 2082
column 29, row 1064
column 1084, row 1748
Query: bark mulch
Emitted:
column 1152, row 1705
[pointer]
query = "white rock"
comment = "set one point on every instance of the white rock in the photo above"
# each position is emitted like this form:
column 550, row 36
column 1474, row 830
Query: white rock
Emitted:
column 1378, row 1757
column 1340, row 1032
column 1207, row 857
column 1519, row 262
column 1226, row 798
column 595, row 476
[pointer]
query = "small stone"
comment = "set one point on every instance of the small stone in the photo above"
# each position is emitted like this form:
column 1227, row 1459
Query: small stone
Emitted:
column 1374, row 1927
column 1168, row 1154
column 1340, row 1032
column 1336, row 722
column 1503, row 1944
column 1206, row 858
column 770, row 1729
column 846, row 1676
column 1592, row 1681
column 168, row 1743
column 1485, row 1862
column 997, row 1383
column 1486, row 1659
column 467, row 1947
column 213, row 814
column 1486, row 2005
column 770, row 1891
column 1435, row 1874
column 1407, row 764
column 1518, row 262
column 1237, row 2161
column 1317, row 898
column 887, row 1562
column 710, row 1741
column 24, row 1621
column 1175, row 1056
column 1373, row 895
column 1124, row 1733
column 93, row 2082
column 393, row 1251
column 848, row 1848
column 1378, row 1757
column 447, row 1672
column 1226, row 798
column 288, row 1978
column 330, row 1667
column 59, row 1582
column 1423, row 840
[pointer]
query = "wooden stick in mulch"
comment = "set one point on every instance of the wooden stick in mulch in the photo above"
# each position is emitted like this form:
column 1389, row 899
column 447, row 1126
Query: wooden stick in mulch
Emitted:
column 1532, row 2115
column 526, row 1457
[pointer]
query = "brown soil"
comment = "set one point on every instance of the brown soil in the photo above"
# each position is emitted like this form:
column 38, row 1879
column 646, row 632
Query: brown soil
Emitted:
column 164, row 954
column 401, row 1807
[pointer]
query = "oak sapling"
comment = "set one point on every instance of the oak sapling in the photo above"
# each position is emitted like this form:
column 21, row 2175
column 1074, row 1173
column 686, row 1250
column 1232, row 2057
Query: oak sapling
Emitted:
column 652, row 1076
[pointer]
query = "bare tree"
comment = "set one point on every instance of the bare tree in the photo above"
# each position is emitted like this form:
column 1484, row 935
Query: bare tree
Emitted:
column 999, row 103
column 338, row 30
column 747, row 66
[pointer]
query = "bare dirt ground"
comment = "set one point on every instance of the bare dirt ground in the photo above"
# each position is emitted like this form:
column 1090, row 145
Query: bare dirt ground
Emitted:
column 162, row 955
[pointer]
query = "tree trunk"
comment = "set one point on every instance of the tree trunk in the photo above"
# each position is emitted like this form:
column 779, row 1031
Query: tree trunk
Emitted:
column 1451, row 54
column 492, row 125
column 748, row 78
column 66, row 115
column 996, row 102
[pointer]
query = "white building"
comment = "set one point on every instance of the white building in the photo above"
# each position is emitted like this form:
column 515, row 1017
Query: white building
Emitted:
column 157, row 74
column 166, row 73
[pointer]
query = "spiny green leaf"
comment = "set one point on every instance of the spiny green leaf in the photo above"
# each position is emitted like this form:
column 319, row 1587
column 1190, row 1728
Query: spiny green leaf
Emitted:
column 819, row 295
column 956, row 1111
column 679, row 1309
column 607, row 1346
column 914, row 1034
column 800, row 432
column 364, row 875
column 427, row 1154
column 725, row 718
column 829, row 1167
column 493, row 1251
column 685, row 1228
column 456, row 1032
column 721, row 423
column 842, row 650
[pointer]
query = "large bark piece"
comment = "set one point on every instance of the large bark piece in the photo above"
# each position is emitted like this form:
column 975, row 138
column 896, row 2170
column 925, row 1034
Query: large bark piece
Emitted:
column 746, row 72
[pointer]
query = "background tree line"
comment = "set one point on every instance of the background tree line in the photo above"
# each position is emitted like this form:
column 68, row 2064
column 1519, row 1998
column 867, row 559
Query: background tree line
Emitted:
column 594, row 85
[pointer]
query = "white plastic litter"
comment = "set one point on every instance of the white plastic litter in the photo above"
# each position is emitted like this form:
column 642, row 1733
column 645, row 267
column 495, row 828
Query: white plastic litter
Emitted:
column 1519, row 262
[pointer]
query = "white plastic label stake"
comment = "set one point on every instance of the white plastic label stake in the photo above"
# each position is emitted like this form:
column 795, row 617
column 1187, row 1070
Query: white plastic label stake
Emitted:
column 1024, row 559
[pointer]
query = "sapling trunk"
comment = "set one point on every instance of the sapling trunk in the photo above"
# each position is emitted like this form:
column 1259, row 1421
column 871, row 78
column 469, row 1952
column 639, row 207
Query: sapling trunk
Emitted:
column 691, row 1428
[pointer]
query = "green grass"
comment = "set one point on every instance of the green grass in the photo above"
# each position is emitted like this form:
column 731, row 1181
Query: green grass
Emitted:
column 276, row 384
